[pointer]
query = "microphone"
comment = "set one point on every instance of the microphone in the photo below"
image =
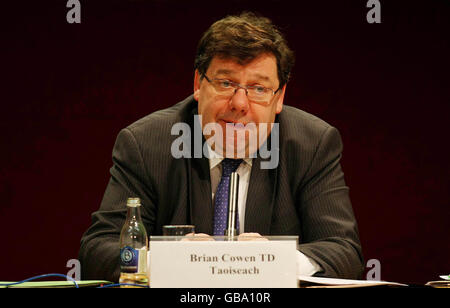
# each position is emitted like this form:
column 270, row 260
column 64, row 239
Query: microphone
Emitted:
column 233, row 194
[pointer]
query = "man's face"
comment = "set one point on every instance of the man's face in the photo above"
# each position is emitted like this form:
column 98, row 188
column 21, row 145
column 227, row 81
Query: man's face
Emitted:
column 215, row 108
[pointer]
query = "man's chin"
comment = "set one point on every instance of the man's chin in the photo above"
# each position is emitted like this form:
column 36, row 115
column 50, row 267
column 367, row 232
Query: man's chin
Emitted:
column 234, row 152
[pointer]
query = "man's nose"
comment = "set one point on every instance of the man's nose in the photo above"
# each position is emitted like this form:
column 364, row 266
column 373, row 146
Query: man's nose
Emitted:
column 239, row 102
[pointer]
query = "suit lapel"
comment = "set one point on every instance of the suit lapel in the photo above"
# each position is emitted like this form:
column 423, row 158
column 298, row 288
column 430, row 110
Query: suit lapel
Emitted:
column 200, row 204
column 260, row 198
column 201, row 208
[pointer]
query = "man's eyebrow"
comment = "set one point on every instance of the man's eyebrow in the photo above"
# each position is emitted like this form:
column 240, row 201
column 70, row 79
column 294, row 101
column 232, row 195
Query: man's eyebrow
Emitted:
column 255, row 76
column 261, row 77
column 223, row 71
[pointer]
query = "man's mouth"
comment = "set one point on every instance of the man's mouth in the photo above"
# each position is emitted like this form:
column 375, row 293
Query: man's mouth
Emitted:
column 236, row 124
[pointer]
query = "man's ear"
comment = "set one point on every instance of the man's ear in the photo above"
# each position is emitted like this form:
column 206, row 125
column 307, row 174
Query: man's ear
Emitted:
column 196, row 85
column 279, row 100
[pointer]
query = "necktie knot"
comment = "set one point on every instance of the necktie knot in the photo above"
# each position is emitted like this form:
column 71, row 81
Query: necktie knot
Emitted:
column 229, row 166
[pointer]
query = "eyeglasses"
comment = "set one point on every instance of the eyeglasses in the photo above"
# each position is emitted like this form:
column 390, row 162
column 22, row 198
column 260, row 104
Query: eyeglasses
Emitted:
column 258, row 94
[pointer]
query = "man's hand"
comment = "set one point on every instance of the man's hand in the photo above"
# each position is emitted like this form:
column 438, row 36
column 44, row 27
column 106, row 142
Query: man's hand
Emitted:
column 197, row 237
column 251, row 236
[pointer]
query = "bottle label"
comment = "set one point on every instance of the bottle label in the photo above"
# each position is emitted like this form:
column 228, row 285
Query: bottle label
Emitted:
column 132, row 260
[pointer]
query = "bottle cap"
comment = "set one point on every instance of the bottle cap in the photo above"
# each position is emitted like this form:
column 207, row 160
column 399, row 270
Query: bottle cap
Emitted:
column 133, row 202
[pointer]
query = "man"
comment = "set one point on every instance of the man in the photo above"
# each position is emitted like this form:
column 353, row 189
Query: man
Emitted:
column 242, row 67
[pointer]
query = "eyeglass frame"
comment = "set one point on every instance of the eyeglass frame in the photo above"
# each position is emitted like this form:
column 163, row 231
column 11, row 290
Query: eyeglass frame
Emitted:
column 238, row 86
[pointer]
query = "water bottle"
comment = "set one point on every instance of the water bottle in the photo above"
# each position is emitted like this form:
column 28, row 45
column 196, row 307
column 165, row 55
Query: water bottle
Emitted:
column 133, row 246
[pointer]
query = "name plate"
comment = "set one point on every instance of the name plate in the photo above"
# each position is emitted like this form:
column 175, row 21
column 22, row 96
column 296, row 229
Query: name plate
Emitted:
column 223, row 264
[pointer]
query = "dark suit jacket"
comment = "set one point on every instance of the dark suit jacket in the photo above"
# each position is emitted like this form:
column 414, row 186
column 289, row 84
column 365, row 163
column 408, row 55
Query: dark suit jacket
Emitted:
column 305, row 195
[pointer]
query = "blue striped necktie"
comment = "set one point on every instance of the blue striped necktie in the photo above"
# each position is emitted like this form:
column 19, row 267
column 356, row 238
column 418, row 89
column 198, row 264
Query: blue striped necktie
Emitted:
column 221, row 197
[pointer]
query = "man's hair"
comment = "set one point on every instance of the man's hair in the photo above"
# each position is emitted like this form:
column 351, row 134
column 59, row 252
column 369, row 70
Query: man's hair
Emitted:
column 243, row 38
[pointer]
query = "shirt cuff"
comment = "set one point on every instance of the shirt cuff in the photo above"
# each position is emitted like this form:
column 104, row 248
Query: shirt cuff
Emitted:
column 306, row 266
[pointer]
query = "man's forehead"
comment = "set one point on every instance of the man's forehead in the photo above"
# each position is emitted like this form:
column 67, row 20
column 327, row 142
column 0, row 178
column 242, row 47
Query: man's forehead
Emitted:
column 262, row 67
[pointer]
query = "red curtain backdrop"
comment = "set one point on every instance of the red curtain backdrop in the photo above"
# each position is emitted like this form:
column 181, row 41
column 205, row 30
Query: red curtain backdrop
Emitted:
column 67, row 90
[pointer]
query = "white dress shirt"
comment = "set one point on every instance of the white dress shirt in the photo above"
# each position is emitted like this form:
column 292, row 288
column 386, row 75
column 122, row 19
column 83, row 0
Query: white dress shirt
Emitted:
column 305, row 266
